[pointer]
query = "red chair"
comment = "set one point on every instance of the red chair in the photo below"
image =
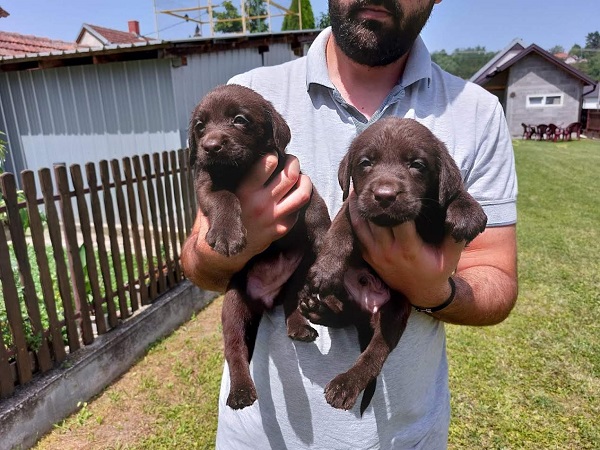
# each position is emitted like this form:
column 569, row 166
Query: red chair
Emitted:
column 552, row 132
column 528, row 131
column 574, row 127
column 541, row 131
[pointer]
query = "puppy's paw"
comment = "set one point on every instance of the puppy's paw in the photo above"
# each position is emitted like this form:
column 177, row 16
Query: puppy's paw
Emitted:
column 299, row 329
column 324, row 281
column 328, row 311
column 304, row 333
column 465, row 219
column 241, row 397
column 228, row 241
column 342, row 392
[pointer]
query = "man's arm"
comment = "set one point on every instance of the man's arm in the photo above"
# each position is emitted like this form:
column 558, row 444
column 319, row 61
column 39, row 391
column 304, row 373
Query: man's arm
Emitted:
column 485, row 272
column 268, row 213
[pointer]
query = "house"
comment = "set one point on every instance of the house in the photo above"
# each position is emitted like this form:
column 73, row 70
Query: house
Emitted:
column 591, row 113
column 534, row 86
column 112, row 94
column 96, row 36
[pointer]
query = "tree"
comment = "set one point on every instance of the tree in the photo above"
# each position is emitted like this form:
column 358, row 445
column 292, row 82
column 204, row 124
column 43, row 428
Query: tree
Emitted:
column 292, row 22
column 557, row 49
column 324, row 21
column 256, row 8
column 575, row 50
column 230, row 26
column 592, row 40
column 463, row 63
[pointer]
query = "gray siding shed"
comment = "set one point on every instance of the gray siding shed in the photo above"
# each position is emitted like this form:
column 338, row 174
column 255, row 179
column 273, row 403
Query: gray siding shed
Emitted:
column 90, row 108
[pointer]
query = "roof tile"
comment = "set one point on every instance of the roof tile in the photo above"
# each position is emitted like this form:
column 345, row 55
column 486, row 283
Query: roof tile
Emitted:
column 12, row 44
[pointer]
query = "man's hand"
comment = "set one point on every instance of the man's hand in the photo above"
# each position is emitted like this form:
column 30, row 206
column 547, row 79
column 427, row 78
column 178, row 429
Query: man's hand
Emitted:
column 269, row 211
column 405, row 262
column 486, row 271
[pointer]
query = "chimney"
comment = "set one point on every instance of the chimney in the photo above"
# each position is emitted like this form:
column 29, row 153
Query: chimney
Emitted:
column 134, row 27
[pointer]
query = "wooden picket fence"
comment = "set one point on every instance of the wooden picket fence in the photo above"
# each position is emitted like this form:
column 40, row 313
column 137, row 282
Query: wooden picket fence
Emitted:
column 85, row 255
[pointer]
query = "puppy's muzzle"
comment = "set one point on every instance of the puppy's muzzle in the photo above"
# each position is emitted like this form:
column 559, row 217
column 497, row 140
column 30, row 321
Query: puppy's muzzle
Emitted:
column 385, row 195
column 213, row 143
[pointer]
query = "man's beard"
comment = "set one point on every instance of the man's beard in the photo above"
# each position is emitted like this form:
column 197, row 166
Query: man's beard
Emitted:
column 371, row 42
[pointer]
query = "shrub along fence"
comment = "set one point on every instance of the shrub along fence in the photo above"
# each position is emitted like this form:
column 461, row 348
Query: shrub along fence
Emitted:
column 85, row 255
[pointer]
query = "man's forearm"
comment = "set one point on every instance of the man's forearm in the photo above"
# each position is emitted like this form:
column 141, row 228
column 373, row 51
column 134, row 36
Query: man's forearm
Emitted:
column 485, row 295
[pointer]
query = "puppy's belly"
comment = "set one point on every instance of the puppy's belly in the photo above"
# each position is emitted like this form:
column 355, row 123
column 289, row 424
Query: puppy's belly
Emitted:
column 366, row 289
column 267, row 277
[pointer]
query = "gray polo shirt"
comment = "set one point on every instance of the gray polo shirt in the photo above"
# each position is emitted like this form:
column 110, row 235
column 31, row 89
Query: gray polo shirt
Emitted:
column 410, row 408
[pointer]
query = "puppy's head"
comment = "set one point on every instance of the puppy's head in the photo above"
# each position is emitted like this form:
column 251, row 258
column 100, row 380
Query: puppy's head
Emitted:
column 399, row 171
column 234, row 126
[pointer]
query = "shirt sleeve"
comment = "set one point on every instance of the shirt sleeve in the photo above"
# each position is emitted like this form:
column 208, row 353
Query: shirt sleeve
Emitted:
column 493, row 179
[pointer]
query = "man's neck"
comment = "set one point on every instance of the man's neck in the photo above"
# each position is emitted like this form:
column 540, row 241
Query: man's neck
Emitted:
column 363, row 87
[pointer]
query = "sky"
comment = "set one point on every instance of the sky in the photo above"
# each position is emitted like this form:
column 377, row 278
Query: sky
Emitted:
column 454, row 24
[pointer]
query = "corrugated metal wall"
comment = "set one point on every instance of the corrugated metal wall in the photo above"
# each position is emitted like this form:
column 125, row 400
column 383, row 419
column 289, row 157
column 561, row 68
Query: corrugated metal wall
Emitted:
column 88, row 113
column 205, row 71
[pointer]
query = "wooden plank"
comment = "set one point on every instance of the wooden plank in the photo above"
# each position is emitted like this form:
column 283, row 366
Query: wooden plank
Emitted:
column 32, row 303
column 178, row 197
column 39, row 246
column 126, row 240
column 162, row 283
column 112, row 236
column 191, row 186
column 170, row 199
column 135, row 232
column 137, row 168
column 90, row 170
column 13, row 312
column 188, row 201
column 64, row 286
column 75, row 265
column 7, row 383
column 160, row 194
column 90, row 255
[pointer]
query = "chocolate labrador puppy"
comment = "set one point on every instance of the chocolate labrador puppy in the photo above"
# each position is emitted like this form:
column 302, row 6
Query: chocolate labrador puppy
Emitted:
column 400, row 172
column 230, row 130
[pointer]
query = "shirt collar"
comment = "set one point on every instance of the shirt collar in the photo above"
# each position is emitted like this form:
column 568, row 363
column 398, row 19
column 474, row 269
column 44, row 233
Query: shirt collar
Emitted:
column 418, row 66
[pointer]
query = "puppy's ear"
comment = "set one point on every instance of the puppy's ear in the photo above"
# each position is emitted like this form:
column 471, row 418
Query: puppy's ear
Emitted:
column 450, row 181
column 465, row 218
column 344, row 175
column 281, row 131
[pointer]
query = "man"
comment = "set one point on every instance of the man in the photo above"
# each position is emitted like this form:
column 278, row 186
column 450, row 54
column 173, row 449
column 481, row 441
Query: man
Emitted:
column 371, row 64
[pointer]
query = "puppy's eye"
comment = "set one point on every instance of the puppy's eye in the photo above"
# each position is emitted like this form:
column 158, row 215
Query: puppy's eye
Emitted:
column 199, row 126
column 417, row 165
column 240, row 120
column 365, row 162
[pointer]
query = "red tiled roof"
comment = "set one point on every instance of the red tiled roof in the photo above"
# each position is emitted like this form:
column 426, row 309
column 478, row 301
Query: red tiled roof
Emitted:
column 116, row 36
column 12, row 44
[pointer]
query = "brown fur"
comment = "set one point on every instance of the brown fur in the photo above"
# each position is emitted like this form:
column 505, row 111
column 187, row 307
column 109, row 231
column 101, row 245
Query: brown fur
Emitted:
column 230, row 130
column 400, row 172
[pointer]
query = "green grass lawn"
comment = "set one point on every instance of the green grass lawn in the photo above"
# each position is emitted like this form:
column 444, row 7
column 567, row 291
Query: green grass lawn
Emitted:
column 532, row 382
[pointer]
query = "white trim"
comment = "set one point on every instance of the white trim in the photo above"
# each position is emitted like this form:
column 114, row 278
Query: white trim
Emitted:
column 544, row 98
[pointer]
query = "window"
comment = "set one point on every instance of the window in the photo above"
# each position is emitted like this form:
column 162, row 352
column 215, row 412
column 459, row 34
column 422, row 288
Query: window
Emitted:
column 540, row 101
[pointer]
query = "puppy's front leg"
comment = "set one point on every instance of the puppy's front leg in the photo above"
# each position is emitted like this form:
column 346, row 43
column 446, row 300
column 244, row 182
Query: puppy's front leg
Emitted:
column 226, row 233
column 321, row 299
column 240, row 325
column 326, row 276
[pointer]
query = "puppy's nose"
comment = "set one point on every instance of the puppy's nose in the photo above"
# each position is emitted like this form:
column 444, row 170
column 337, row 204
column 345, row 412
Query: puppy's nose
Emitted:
column 385, row 195
column 212, row 145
